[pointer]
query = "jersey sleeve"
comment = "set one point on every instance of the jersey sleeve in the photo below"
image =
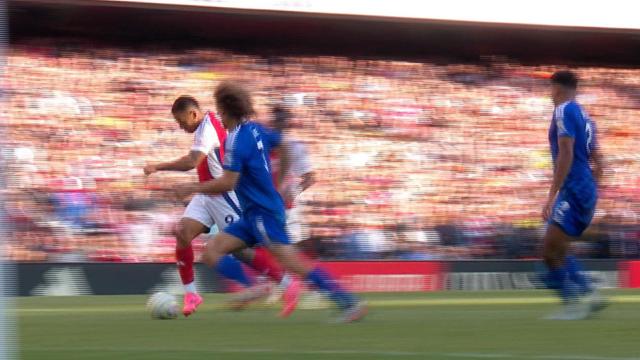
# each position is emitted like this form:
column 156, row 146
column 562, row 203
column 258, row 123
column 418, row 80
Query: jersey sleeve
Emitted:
column 566, row 117
column 235, row 153
column 205, row 138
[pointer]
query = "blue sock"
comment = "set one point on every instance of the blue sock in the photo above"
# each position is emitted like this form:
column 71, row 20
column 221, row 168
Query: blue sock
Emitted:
column 336, row 293
column 576, row 275
column 558, row 279
column 231, row 268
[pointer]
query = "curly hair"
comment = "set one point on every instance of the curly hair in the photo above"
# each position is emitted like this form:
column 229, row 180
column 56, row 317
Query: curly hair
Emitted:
column 233, row 100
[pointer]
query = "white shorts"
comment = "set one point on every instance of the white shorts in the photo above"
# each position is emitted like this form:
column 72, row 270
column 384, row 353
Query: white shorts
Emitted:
column 296, row 230
column 221, row 210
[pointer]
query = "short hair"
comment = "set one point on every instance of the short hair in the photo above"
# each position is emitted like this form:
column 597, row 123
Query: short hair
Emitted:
column 233, row 100
column 565, row 78
column 281, row 116
column 183, row 103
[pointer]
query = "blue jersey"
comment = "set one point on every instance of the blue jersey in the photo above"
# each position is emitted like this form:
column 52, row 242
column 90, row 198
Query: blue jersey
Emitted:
column 247, row 152
column 570, row 120
column 576, row 201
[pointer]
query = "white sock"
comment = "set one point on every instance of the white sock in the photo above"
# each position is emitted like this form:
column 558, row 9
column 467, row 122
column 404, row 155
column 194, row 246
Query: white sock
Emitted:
column 191, row 287
column 284, row 283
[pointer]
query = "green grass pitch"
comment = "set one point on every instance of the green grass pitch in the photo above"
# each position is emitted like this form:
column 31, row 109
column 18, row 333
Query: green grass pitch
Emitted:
column 445, row 325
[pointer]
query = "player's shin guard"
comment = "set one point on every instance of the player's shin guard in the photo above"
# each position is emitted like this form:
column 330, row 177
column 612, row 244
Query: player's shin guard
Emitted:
column 184, row 257
column 337, row 294
column 576, row 275
column 230, row 268
column 266, row 264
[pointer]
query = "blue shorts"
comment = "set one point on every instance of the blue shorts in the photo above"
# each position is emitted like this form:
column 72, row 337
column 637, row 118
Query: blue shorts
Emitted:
column 572, row 212
column 259, row 228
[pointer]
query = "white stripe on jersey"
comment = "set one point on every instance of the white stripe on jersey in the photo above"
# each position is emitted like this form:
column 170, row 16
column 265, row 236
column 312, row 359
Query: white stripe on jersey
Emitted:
column 230, row 146
column 206, row 140
column 559, row 117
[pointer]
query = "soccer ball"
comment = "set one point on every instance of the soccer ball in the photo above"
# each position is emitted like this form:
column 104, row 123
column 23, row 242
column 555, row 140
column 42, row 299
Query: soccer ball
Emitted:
column 162, row 306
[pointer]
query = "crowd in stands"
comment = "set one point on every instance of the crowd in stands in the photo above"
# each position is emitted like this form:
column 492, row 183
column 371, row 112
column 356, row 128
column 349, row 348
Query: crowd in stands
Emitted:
column 414, row 160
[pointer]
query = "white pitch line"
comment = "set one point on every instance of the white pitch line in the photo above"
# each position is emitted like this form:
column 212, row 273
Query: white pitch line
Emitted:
column 386, row 353
column 479, row 355
column 535, row 357
column 582, row 357
column 620, row 299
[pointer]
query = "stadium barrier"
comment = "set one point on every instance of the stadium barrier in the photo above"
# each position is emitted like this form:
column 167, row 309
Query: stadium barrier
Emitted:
column 68, row 279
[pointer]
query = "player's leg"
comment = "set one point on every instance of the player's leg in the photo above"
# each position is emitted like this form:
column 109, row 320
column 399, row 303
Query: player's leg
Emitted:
column 225, row 210
column 555, row 246
column 198, row 219
column 220, row 247
column 187, row 230
column 569, row 219
column 298, row 234
column 195, row 221
column 272, row 233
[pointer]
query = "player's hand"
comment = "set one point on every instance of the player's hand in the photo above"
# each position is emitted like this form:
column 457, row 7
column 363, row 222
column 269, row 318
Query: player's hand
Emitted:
column 287, row 193
column 150, row 169
column 548, row 207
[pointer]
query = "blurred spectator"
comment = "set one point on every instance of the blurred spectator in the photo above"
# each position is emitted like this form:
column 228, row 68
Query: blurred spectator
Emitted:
column 456, row 153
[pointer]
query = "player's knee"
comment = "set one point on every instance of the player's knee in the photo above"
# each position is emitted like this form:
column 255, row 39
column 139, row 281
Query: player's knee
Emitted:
column 184, row 235
column 245, row 255
column 212, row 254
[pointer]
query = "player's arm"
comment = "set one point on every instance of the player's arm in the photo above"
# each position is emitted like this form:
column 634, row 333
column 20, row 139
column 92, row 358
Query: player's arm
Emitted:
column 276, row 140
column 560, row 172
column 565, row 122
column 285, row 160
column 205, row 140
column 308, row 179
column 226, row 182
column 184, row 163
column 234, row 160
column 563, row 164
column 304, row 168
column 597, row 164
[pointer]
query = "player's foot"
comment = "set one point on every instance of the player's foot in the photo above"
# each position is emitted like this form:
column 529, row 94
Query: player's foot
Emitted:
column 290, row 297
column 191, row 303
column 596, row 301
column 276, row 294
column 572, row 310
column 353, row 313
column 246, row 297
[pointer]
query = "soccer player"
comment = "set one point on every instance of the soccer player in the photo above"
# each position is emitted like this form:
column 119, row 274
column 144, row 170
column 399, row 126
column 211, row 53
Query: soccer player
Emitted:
column 300, row 175
column 248, row 171
column 577, row 168
column 203, row 210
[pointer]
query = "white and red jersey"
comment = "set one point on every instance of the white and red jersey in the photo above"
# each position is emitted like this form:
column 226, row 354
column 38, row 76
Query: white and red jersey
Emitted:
column 209, row 139
column 299, row 166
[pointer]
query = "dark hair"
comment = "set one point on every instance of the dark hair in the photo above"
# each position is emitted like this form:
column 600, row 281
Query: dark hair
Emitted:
column 565, row 78
column 183, row 103
column 233, row 100
column 281, row 116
